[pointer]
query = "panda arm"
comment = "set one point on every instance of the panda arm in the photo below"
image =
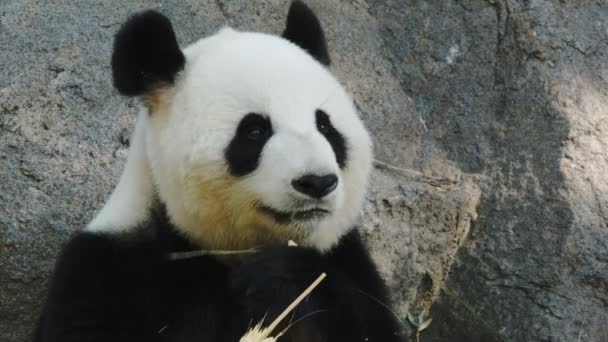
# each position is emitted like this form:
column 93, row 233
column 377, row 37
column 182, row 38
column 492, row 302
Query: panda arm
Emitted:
column 349, row 305
column 88, row 298
column 366, row 290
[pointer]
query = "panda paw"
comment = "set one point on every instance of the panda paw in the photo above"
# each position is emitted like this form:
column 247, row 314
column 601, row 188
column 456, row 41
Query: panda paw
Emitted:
column 274, row 277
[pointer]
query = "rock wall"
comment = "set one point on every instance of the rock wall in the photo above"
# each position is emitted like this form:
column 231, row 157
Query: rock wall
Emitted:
column 489, row 203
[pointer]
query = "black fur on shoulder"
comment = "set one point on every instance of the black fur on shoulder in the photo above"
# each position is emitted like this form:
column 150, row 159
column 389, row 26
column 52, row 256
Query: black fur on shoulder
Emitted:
column 146, row 54
column 125, row 288
column 304, row 29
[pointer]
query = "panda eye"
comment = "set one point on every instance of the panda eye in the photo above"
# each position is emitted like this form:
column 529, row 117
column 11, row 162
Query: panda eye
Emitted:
column 323, row 127
column 254, row 128
column 323, row 124
column 256, row 133
column 244, row 150
column 333, row 136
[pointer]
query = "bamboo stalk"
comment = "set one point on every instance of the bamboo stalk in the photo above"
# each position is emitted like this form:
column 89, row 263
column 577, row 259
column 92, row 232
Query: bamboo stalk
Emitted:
column 203, row 252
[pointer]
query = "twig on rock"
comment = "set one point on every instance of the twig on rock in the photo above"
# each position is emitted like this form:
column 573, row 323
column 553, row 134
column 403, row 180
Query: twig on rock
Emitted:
column 437, row 182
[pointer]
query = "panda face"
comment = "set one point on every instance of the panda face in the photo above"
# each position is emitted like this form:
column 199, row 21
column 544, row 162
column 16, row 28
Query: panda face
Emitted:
column 256, row 142
column 248, row 137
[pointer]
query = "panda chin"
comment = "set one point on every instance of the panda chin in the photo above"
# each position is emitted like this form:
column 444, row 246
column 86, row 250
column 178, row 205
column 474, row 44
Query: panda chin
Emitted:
column 300, row 216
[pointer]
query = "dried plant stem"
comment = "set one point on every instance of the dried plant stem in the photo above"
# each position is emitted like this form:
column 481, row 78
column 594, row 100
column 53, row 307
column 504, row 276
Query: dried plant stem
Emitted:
column 203, row 252
column 257, row 335
column 437, row 182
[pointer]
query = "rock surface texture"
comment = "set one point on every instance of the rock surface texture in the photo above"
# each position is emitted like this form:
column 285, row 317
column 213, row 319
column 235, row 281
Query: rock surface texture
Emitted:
column 489, row 203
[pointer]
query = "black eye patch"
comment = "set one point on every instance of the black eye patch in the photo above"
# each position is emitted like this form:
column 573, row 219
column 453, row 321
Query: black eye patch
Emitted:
column 335, row 139
column 243, row 152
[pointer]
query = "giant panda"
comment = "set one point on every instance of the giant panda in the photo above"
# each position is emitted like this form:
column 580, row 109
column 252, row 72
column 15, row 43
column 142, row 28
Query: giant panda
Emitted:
column 245, row 141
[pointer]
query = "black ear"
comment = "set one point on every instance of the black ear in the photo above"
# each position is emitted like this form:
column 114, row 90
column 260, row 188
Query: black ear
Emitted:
column 304, row 29
column 146, row 54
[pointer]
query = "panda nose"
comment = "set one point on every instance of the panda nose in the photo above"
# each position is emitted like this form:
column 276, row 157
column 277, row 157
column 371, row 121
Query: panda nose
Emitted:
column 316, row 186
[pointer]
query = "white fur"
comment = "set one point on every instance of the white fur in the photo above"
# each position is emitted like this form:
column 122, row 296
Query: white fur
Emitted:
column 226, row 77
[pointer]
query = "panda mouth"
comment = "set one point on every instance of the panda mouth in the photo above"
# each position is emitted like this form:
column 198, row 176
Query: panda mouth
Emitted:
column 301, row 215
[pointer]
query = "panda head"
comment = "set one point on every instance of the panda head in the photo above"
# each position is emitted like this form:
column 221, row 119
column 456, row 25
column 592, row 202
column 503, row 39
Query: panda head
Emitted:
column 249, row 138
